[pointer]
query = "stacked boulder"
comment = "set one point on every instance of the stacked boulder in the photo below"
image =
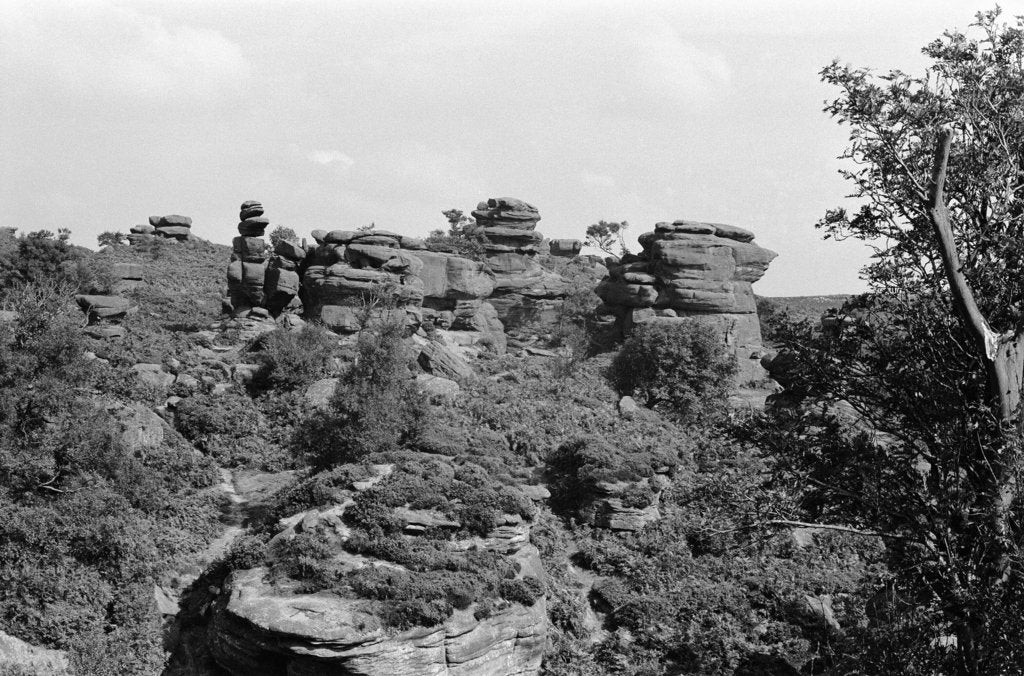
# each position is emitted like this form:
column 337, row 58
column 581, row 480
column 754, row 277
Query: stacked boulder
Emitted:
column 140, row 235
column 104, row 315
column 282, row 281
column 248, row 266
column 565, row 248
column 692, row 269
column 356, row 271
column 172, row 227
column 169, row 227
column 524, row 292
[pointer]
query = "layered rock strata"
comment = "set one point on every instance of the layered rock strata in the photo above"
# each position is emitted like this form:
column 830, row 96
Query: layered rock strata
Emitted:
column 349, row 273
column 248, row 266
column 691, row 269
column 169, row 227
column 356, row 277
column 260, row 628
column 524, row 293
column 282, row 280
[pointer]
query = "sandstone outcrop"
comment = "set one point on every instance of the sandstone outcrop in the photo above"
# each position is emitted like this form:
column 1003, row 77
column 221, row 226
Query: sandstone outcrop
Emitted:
column 353, row 271
column 263, row 632
column 262, row 627
column 351, row 277
column 104, row 314
column 525, row 292
column 692, row 269
column 19, row 657
column 169, row 227
column 248, row 267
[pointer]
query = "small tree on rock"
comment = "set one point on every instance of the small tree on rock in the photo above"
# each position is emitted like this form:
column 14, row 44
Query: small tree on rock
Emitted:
column 605, row 235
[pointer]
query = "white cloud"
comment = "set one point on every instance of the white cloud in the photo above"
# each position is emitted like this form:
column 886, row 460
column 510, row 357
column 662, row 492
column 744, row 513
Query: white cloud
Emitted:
column 101, row 51
column 597, row 180
column 670, row 67
column 326, row 157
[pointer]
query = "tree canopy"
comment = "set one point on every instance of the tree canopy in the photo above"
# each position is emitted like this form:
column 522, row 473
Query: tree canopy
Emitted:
column 927, row 450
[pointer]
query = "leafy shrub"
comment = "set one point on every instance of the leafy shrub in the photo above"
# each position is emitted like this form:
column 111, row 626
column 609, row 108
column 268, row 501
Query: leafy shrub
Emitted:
column 40, row 257
column 86, row 524
column 231, row 429
column 375, row 407
column 293, row 359
column 677, row 365
column 524, row 591
column 314, row 490
column 282, row 234
column 577, row 466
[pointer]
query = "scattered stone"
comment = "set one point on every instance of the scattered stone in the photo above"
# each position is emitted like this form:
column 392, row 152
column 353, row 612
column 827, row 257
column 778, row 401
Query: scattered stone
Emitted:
column 318, row 395
column 243, row 374
column 436, row 388
column 220, row 389
column 19, row 657
column 154, row 375
column 628, row 408
column 440, row 360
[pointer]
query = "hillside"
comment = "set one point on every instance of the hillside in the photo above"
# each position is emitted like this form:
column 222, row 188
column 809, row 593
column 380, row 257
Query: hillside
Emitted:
column 291, row 498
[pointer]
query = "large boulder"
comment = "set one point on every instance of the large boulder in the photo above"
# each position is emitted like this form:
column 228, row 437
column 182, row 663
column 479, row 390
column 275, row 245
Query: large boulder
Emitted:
column 506, row 212
column 447, row 278
column 19, row 657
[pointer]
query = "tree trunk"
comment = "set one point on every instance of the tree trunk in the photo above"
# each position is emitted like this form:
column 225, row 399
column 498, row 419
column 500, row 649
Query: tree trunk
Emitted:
column 1003, row 358
column 1002, row 355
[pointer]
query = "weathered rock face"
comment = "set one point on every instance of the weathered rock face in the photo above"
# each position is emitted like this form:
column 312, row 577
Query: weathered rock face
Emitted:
column 261, row 628
column 691, row 269
column 348, row 270
column 248, row 267
column 19, row 657
column 261, row 631
column 104, row 315
column 351, row 270
column 170, row 227
column 524, row 292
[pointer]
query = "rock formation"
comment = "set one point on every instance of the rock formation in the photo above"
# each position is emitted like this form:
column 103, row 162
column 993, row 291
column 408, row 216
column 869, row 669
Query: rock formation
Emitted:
column 104, row 314
column 524, row 292
column 263, row 628
column 281, row 282
column 248, row 265
column 352, row 271
column 464, row 304
column 692, row 269
column 169, row 227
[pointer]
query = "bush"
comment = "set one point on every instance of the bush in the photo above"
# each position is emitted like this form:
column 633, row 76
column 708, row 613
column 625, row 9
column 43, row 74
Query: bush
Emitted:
column 40, row 257
column 375, row 407
column 524, row 591
column 282, row 234
column 231, row 429
column 293, row 359
column 680, row 366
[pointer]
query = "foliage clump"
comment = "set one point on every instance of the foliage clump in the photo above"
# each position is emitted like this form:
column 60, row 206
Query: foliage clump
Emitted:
column 87, row 521
column 292, row 359
column 375, row 408
column 678, row 366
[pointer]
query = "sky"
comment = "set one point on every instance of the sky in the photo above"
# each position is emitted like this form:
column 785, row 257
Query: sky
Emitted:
column 336, row 114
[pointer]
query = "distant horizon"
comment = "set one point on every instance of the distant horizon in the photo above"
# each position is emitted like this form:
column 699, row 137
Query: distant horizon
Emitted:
column 335, row 115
